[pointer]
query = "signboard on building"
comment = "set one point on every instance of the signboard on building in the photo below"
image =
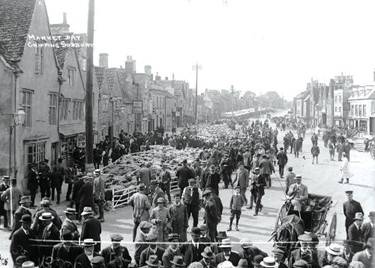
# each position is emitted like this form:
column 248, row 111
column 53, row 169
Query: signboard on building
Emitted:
column 137, row 107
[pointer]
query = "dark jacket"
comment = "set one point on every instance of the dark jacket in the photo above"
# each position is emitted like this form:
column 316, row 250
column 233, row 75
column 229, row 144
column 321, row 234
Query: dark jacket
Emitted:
column 23, row 243
column 355, row 238
column 184, row 174
column 76, row 189
column 109, row 254
column 191, row 253
column 86, row 195
column 49, row 239
column 254, row 251
column 91, row 228
column 296, row 255
column 57, row 179
column 17, row 218
column 83, row 262
column 145, row 254
column 59, row 251
column 234, row 258
column 367, row 231
column 350, row 208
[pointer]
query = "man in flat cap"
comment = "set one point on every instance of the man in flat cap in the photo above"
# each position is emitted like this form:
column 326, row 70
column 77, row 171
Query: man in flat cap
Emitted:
column 250, row 251
column 178, row 217
column 116, row 253
column 141, row 205
column 350, row 208
column 159, row 218
column 192, row 199
column 142, row 233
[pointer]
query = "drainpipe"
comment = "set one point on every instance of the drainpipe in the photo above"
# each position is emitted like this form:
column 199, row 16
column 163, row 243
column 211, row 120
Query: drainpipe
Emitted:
column 15, row 170
column 61, row 80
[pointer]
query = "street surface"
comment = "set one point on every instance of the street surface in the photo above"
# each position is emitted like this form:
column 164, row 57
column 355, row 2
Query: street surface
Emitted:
column 321, row 179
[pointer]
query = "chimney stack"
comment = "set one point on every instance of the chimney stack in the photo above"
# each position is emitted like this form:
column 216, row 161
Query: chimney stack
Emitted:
column 157, row 77
column 148, row 69
column 103, row 60
column 64, row 18
column 130, row 65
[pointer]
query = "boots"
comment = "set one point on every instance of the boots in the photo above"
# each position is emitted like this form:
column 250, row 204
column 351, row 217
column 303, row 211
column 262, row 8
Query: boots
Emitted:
column 230, row 225
column 237, row 228
column 341, row 181
column 347, row 180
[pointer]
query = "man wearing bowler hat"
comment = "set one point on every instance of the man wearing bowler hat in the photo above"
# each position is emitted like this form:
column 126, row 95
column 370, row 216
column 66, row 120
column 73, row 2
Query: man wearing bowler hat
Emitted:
column 226, row 247
column 354, row 233
column 84, row 260
column 350, row 208
column 50, row 237
column 22, row 243
column 22, row 210
column 109, row 253
column 91, row 227
column 192, row 251
column 68, row 224
column 367, row 228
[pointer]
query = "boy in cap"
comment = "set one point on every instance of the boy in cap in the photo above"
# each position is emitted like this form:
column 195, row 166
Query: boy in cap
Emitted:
column 159, row 218
column 236, row 203
column 254, row 174
column 116, row 252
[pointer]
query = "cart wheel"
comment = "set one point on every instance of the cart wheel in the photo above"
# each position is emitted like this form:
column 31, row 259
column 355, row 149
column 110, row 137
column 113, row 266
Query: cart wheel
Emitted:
column 331, row 234
column 280, row 216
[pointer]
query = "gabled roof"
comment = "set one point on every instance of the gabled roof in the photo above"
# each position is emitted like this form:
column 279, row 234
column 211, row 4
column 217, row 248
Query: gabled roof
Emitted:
column 125, row 85
column 62, row 51
column 15, row 21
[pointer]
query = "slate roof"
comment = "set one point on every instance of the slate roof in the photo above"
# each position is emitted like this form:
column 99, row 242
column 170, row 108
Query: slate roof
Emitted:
column 15, row 20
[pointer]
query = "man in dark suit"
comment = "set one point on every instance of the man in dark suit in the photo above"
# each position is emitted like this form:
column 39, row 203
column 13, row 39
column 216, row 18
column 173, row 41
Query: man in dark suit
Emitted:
column 37, row 225
column 226, row 248
column 367, row 228
column 282, row 160
column 66, row 250
column 22, row 243
column 152, row 249
column 183, row 174
column 354, row 233
column 258, row 188
column 192, row 251
column 69, row 225
column 250, row 251
column 91, row 227
column 50, row 237
column 86, row 193
column 22, row 210
column 109, row 253
column 211, row 216
column 350, row 208
column 84, row 260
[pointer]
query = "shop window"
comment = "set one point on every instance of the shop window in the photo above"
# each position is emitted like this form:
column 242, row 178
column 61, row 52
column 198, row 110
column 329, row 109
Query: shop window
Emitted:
column 36, row 153
column 360, row 110
column 78, row 110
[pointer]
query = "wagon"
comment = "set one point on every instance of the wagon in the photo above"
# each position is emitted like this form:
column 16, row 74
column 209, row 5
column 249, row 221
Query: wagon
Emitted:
column 290, row 223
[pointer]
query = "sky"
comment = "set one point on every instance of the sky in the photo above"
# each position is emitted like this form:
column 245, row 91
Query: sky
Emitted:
column 256, row 45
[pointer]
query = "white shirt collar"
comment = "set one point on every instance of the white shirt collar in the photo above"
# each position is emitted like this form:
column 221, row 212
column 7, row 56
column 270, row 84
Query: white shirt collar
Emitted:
column 90, row 257
column 195, row 244
column 49, row 226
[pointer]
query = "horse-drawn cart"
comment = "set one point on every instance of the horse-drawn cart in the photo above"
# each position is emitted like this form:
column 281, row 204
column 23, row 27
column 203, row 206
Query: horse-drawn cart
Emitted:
column 313, row 218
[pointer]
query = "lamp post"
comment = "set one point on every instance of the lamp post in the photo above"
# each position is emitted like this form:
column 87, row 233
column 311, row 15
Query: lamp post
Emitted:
column 18, row 119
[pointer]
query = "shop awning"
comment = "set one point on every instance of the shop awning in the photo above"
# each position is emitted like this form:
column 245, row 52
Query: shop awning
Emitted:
column 72, row 130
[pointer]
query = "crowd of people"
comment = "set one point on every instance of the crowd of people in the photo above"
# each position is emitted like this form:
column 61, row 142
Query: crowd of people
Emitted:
column 243, row 161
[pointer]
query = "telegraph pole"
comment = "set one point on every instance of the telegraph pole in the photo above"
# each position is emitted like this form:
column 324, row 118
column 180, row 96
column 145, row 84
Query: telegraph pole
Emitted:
column 89, row 85
column 196, row 68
